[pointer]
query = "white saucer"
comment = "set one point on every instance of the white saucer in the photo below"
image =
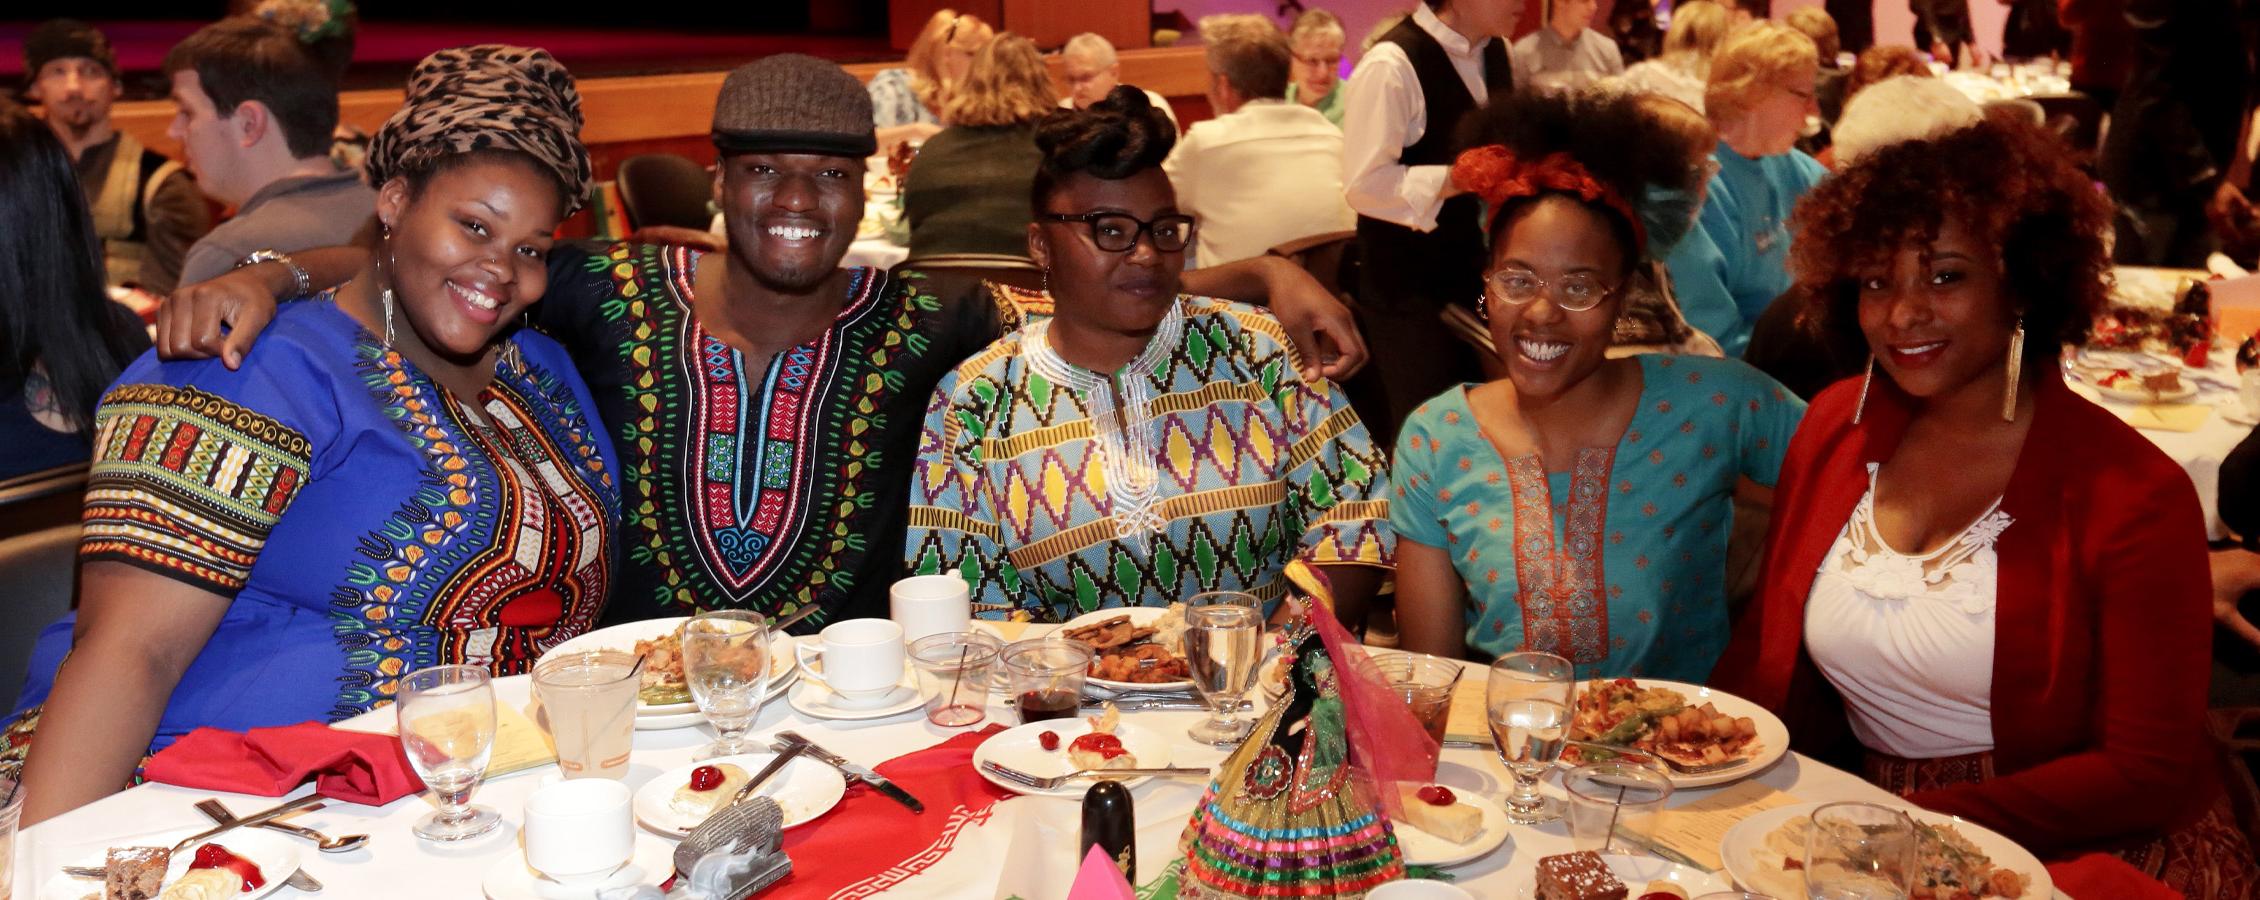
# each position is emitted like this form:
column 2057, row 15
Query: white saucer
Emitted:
column 1022, row 748
column 812, row 698
column 1424, row 849
column 510, row 878
column 804, row 789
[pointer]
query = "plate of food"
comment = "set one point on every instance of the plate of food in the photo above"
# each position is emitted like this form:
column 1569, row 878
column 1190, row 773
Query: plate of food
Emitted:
column 238, row 865
column 681, row 798
column 1706, row 737
column 1584, row 874
column 1444, row 827
column 1957, row 859
column 2131, row 376
column 1138, row 648
column 665, row 693
column 1059, row 746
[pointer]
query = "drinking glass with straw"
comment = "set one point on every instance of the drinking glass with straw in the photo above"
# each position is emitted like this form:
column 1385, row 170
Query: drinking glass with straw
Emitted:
column 1613, row 799
column 953, row 674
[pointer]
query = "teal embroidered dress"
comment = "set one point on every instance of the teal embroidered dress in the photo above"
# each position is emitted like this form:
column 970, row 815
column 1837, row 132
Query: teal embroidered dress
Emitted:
column 1619, row 564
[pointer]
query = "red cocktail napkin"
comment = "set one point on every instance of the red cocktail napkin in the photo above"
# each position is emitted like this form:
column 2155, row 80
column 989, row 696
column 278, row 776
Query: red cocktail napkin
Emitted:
column 869, row 841
column 2104, row 875
column 350, row 766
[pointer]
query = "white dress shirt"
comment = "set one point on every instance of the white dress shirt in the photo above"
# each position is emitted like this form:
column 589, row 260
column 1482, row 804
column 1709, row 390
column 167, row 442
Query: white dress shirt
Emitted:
column 1160, row 102
column 1262, row 175
column 1384, row 111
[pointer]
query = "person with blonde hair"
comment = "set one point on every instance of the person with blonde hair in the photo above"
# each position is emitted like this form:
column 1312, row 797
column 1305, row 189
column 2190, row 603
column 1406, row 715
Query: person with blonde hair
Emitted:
column 1316, row 41
column 1696, row 30
column 1264, row 171
column 1815, row 23
column 968, row 190
column 1731, row 266
column 907, row 101
column 1092, row 70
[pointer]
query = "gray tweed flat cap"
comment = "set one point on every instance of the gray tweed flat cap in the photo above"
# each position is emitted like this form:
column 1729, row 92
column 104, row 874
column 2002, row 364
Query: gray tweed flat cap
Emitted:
column 791, row 103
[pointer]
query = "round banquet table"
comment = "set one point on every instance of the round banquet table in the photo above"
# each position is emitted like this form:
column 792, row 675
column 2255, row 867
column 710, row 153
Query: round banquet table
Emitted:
column 1026, row 849
column 2200, row 452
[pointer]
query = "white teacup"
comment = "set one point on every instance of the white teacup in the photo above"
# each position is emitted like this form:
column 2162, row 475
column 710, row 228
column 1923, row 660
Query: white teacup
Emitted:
column 863, row 660
column 579, row 831
column 930, row 604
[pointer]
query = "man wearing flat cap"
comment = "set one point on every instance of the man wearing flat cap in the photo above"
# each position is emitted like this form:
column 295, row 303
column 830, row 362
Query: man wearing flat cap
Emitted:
column 765, row 402
column 147, row 210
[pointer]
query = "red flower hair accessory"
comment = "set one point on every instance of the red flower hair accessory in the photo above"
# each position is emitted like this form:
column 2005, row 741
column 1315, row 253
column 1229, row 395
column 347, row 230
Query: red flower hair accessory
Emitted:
column 1496, row 175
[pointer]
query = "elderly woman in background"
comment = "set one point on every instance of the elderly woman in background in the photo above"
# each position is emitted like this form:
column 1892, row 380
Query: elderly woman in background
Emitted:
column 1991, row 587
column 399, row 476
column 908, row 102
column 1142, row 445
column 1733, row 264
column 1316, row 40
column 1581, row 505
column 968, row 190
column 1696, row 30
column 62, row 339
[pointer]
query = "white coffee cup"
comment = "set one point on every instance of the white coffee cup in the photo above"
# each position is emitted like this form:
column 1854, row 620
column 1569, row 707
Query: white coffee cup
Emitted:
column 930, row 604
column 863, row 660
column 579, row 831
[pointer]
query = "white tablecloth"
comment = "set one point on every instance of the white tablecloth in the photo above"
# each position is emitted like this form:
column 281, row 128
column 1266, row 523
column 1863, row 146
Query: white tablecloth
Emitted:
column 1027, row 848
column 2199, row 452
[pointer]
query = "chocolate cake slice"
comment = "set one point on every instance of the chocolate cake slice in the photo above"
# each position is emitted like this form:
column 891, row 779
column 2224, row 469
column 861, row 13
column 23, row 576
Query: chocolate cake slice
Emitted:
column 1577, row 876
column 134, row 873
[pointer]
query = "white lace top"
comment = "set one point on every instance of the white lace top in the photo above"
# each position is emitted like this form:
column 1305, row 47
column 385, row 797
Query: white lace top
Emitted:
column 1908, row 640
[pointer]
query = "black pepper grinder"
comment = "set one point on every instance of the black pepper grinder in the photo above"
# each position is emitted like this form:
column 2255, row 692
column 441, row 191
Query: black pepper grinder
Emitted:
column 1110, row 823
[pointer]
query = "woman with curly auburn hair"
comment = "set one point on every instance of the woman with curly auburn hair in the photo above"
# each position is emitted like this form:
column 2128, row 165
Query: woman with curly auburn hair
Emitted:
column 967, row 192
column 1952, row 581
column 1581, row 505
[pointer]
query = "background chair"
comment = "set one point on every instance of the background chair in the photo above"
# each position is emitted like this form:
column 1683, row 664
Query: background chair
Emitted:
column 39, row 516
column 665, row 189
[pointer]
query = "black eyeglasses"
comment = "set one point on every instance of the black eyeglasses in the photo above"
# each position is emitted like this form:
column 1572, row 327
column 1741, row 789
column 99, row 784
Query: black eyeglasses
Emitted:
column 1118, row 232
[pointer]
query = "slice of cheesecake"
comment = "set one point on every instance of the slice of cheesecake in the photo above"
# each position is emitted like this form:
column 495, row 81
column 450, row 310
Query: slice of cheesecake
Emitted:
column 1453, row 821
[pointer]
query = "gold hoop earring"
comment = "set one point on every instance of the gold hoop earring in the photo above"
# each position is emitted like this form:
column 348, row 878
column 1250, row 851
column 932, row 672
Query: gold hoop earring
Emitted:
column 1860, row 408
column 2016, row 369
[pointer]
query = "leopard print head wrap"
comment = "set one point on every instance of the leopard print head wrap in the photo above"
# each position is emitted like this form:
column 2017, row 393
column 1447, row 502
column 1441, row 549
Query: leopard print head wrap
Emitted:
column 487, row 97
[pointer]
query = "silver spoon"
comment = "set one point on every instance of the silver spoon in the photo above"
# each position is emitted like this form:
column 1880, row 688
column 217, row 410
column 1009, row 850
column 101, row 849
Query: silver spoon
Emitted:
column 322, row 842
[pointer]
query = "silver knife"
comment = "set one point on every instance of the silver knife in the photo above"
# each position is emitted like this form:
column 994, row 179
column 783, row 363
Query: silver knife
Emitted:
column 219, row 814
column 857, row 772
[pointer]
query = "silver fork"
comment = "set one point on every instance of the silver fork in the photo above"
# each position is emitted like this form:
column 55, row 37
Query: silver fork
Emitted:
column 1049, row 782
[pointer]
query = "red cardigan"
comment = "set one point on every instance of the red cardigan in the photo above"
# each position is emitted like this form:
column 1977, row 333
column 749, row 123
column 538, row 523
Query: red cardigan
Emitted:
column 2104, row 643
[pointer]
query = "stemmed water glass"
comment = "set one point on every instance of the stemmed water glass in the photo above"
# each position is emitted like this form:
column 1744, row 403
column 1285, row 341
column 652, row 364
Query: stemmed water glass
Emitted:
column 447, row 729
column 1859, row 851
column 1528, row 705
column 1223, row 642
column 726, row 662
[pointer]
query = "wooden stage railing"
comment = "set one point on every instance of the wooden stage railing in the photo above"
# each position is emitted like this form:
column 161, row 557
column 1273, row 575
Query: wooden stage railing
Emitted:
column 642, row 114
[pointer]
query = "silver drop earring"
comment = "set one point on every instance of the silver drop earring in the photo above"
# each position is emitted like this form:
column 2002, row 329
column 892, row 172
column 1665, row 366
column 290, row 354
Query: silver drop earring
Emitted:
column 386, row 296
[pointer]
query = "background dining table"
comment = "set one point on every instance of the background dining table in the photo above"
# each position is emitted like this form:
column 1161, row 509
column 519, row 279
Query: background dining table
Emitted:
column 1026, row 848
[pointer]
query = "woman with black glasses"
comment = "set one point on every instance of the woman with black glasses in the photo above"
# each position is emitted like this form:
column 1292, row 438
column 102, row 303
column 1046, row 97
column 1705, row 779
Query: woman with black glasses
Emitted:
column 1140, row 446
column 1581, row 505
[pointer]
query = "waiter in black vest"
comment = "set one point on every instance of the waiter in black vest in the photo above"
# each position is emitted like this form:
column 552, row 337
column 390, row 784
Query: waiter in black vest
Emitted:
column 1421, row 236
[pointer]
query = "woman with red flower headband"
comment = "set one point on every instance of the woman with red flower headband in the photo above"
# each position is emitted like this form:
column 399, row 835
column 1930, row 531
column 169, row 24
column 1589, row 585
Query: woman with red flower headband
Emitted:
column 1581, row 505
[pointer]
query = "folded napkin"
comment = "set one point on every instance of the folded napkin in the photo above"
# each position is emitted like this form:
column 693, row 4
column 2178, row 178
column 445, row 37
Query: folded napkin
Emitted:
column 1099, row 879
column 349, row 766
column 2104, row 875
column 869, row 842
column 2168, row 416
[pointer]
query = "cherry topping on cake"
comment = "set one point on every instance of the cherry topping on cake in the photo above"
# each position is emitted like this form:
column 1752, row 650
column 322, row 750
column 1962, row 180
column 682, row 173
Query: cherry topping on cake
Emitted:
column 214, row 856
column 1107, row 746
column 1437, row 795
column 706, row 778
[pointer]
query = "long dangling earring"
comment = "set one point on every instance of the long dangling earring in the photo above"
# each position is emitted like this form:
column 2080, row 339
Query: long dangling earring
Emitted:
column 1483, row 306
column 2016, row 368
column 1047, row 281
column 1867, row 379
column 386, row 296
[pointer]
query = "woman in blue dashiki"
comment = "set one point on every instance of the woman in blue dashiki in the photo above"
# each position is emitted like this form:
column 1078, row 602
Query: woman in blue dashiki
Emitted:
column 1581, row 506
column 1139, row 446
column 397, row 477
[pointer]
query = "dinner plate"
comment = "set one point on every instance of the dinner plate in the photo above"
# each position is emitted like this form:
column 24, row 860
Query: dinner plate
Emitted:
column 1140, row 616
column 1773, row 736
column 623, row 638
column 1021, row 748
column 276, row 855
column 1424, row 849
column 1637, row 872
column 511, row 879
column 805, row 788
column 1749, row 835
column 2092, row 366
